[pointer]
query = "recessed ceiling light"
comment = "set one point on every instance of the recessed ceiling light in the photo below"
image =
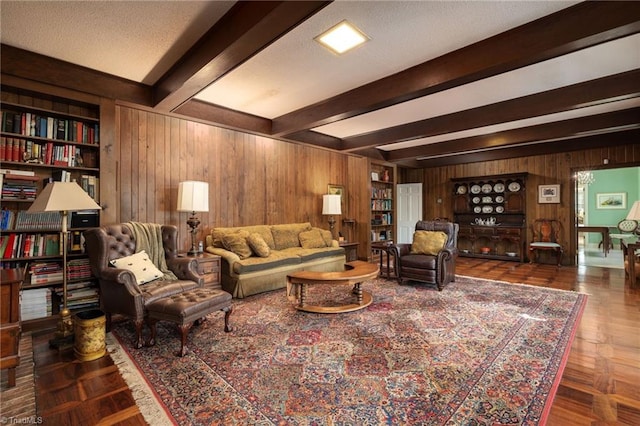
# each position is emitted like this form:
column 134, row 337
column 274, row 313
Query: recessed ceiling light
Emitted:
column 342, row 37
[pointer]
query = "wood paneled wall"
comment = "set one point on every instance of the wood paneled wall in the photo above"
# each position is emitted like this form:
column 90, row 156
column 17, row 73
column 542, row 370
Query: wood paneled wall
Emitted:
column 253, row 179
column 542, row 169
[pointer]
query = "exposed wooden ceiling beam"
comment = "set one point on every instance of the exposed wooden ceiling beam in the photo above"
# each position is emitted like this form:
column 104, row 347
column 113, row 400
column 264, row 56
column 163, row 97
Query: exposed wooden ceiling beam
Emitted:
column 43, row 69
column 245, row 30
column 227, row 118
column 594, row 92
column 577, row 27
column 548, row 131
column 542, row 148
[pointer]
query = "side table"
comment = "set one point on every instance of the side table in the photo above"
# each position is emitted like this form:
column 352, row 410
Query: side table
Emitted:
column 351, row 250
column 208, row 267
column 10, row 327
column 389, row 253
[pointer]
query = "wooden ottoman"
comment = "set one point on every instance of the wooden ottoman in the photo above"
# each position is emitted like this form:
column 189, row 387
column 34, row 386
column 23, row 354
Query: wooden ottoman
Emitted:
column 186, row 308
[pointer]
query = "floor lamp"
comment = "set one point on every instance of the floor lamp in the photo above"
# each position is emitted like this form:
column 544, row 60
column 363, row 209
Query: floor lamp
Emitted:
column 63, row 197
column 193, row 196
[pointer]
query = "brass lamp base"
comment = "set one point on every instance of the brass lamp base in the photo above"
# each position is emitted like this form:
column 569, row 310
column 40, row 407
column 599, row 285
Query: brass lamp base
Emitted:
column 193, row 223
column 63, row 339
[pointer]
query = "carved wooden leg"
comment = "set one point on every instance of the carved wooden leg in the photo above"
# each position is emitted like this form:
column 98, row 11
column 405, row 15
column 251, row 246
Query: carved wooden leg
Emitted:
column 303, row 294
column 154, row 331
column 358, row 290
column 139, row 343
column 227, row 313
column 184, row 331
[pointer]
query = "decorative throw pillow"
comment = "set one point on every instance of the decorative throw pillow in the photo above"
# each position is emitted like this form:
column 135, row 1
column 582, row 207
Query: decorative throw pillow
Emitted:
column 327, row 237
column 311, row 239
column 428, row 242
column 237, row 243
column 140, row 265
column 258, row 245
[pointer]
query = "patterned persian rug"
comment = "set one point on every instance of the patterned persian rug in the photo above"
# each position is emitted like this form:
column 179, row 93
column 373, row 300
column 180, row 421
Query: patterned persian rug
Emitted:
column 479, row 353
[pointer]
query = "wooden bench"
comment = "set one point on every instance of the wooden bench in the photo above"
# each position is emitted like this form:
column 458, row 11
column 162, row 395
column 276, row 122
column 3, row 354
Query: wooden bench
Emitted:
column 354, row 274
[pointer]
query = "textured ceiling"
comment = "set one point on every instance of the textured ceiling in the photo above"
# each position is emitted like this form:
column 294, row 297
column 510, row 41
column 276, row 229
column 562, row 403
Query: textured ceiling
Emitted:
column 144, row 41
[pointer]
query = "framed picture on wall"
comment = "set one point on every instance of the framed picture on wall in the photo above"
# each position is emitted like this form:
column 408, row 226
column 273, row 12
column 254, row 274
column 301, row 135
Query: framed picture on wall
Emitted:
column 611, row 200
column 339, row 190
column 548, row 194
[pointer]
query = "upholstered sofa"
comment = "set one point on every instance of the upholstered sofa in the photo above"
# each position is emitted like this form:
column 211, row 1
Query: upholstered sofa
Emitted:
column 258, row 258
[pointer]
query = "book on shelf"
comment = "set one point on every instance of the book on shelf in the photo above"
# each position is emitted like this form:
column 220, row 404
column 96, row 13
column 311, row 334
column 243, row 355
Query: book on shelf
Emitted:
column 35, row 303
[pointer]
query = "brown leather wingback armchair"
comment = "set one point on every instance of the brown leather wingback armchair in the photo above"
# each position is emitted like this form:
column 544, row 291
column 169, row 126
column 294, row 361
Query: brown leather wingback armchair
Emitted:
column 119, row 291
column 438, row 269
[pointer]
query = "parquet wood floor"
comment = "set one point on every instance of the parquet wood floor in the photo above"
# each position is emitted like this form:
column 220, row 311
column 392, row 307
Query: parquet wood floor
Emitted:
column 600, row 385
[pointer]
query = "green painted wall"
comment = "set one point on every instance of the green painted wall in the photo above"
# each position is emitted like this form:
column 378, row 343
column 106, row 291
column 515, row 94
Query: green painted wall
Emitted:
column 626, row 181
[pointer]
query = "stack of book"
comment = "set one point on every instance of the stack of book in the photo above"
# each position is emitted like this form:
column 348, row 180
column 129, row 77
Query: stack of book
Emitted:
column 35, row 303
column 19, row 187
column 80, row 295
column 78, row 269
column 45, row 272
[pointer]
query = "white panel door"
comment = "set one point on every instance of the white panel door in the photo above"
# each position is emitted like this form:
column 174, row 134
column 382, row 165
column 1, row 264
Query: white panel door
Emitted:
column 409, row 210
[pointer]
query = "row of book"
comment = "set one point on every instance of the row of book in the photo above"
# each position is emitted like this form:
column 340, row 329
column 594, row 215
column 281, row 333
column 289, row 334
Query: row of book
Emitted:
column 384, row 235
column 35, row 303
column 17, row 187
column 39, row 302
column 381, row 204
column 382, row 193
column 23, row 220
column 31, row 124
column 382, row 219
column 29, row 245
column 23, row 150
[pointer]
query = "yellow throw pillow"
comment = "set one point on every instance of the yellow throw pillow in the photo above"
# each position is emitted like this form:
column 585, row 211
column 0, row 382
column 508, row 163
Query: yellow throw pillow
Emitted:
column 311, row 239
column 327, row 237
column 258, row 245
column 237, row 243
column 428, row 242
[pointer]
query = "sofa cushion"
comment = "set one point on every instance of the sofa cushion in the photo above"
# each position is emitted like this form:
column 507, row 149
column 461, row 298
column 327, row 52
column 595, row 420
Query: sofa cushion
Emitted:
column 215, row 238
column 258, row 245
column 274, row 260
column 307, row 255
column 237, row 243
column 140, row 265
column 286, row 236
column 428, row 242
column 326, row 236
column 311, row 239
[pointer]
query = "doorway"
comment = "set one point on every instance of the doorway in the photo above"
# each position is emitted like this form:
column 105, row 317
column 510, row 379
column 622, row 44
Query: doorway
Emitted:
column 592, row 189
column 409, row 210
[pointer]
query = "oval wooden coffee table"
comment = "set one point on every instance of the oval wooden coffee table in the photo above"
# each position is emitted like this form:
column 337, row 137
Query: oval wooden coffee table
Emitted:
column 354, row 274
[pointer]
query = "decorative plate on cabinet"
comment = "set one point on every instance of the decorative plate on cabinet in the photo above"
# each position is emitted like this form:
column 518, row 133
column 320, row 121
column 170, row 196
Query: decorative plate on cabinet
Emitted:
column 499, row 199
column 462, row 189
column 498, row 187
column 487, row 209
column 476, row 200
column 475, row 189
column 514, row 187
column 499, row 209
column 487, row 200
column 477, row 209
column 486, row 188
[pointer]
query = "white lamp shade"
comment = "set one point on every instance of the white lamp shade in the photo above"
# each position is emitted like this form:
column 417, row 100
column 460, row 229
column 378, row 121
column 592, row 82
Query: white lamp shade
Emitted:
column 634, row 213
column 193, row 196
column 63, row 196
column 331, row 204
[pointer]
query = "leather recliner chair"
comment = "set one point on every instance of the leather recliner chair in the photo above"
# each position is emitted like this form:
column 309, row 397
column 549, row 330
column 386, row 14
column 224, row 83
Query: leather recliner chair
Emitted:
column 119, row 291
column 438, row 269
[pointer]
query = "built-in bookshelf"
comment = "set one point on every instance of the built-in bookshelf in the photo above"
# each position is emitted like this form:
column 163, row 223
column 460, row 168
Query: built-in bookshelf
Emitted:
column 382, row 204
column 44, row 139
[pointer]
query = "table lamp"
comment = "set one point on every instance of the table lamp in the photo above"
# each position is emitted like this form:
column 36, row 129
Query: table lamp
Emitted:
column 331, row 207
column 193, row 196
column 63, row 197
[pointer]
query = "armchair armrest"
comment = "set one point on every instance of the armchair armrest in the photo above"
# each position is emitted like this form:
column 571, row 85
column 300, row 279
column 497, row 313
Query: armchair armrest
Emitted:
column 185, row 269
column 402, row 249
column 120, row 277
